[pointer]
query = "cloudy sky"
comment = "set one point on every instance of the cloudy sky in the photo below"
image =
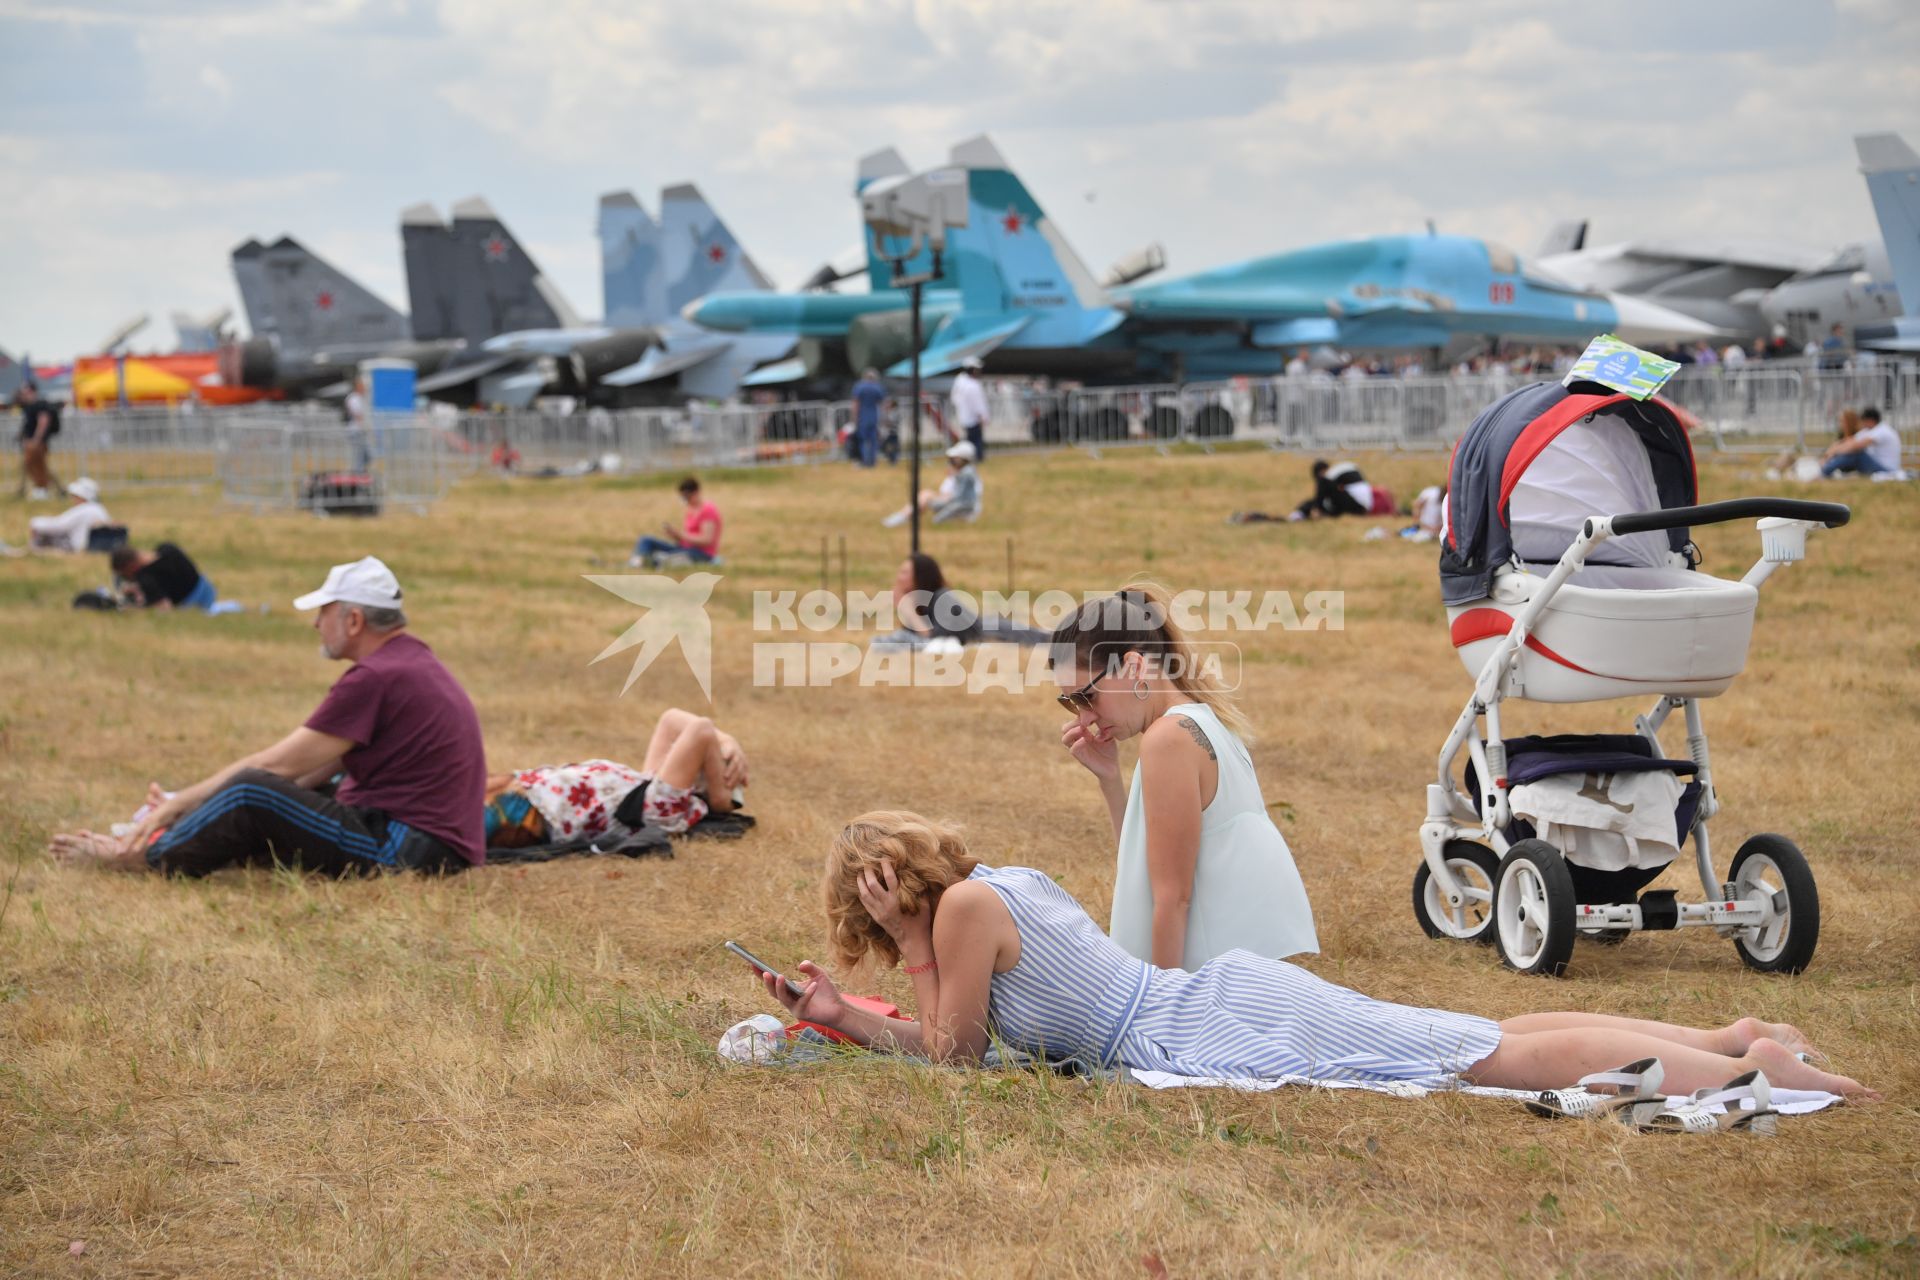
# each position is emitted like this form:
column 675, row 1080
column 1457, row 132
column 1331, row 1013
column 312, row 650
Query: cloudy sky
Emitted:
column 140, row 140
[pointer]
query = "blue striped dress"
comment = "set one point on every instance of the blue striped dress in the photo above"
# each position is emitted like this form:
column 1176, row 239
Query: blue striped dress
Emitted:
column 1076, row 992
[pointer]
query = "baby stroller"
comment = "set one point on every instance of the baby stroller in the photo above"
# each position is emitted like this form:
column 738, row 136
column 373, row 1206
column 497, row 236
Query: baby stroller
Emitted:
column 1568, row 575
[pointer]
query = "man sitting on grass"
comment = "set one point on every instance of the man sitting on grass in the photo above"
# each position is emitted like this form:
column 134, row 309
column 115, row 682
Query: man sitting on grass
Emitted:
column 397, row 725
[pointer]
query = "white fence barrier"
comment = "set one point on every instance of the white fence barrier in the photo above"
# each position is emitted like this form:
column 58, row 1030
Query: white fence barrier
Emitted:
column 267, row 456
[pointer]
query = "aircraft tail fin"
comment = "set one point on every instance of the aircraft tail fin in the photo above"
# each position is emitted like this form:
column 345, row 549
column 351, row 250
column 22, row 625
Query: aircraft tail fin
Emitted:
column 632, row 281
column 470, row 278
column 1893, row 180
column 1011, row 256
column 13, row 373
column 699, row 255
column 1563, row 237
column 304, row 303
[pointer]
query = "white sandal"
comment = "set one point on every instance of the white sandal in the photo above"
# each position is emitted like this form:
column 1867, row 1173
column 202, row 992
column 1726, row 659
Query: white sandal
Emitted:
column 1695, row 1114
column 1637, row 1083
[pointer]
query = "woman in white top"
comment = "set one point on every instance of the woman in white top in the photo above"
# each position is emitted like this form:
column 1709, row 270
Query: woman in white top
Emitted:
column 1202, row 869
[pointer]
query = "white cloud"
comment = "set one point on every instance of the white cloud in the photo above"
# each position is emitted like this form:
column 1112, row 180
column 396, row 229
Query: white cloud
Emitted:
column 178, row 128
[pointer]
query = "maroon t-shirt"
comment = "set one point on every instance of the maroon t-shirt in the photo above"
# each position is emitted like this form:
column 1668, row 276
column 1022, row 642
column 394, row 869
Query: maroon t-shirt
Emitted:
column 419, row 758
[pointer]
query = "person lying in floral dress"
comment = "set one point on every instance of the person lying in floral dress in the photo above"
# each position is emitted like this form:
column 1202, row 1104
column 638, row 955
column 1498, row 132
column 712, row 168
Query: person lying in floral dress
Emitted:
column 692, row 768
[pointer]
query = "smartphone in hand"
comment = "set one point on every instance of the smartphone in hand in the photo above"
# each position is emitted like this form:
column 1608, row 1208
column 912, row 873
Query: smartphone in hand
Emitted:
column 793, row 988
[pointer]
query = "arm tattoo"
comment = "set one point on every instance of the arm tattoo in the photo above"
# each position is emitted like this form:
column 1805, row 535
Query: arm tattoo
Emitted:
column 1193, row 727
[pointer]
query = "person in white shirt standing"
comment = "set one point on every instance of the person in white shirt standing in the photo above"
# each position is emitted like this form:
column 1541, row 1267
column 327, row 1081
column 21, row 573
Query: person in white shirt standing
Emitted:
column 969, row 400
column 68, row 531
column 358, row 431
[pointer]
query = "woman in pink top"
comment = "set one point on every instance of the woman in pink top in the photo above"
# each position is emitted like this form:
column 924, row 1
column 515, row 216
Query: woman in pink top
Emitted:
column 697, row 539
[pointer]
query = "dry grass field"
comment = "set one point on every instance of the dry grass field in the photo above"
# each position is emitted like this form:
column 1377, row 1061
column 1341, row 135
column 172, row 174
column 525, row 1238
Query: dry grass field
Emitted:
column 513, row 1071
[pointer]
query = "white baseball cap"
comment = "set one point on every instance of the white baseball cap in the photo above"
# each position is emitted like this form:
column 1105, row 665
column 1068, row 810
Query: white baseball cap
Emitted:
column 964, row 451
column 84, row 489
column 973, row 362
column 367, row 583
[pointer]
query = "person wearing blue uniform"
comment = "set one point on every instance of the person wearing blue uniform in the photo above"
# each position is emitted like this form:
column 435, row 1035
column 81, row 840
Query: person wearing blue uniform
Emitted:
column 1006, row 952
column 869, row 398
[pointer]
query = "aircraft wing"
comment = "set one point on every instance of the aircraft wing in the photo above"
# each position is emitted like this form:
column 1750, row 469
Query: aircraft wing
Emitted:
column 660, row 363
column 461, row 375
column 944, row 356
column 778, row 374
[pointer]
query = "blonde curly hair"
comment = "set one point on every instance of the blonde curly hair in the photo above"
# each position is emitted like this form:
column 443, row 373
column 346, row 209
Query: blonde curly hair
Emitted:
column 926, row 856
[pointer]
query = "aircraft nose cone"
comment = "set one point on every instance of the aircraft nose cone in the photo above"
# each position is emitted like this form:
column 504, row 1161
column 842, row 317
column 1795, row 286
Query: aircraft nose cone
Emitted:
column 691, row 312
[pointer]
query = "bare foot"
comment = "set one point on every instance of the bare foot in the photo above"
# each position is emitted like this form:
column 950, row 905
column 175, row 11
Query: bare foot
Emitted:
column 1787, row 1072
column 90, row 848
column 1747, row 1031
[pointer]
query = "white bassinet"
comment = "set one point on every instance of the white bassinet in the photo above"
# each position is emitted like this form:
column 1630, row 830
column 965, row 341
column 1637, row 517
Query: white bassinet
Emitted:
column 1635, row 620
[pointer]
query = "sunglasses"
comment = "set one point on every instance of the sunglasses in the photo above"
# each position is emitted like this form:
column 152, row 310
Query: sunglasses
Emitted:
column 1080, row 699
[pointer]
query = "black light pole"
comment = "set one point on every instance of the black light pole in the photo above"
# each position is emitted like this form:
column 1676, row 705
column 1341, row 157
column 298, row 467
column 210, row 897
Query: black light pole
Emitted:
column 913, row 482
column 914, row 285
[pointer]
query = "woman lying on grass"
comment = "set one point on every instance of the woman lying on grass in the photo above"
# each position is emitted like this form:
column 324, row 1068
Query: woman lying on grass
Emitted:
column 1006, row 952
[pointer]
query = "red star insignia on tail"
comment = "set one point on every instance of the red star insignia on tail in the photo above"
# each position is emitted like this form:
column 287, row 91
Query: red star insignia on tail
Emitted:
column 324, row 301
column 1011, row 222
column 496, row 249
column 716, row 254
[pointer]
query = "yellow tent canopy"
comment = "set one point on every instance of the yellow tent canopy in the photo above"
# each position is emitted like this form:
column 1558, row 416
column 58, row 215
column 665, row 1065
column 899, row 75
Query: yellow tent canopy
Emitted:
column 144, row 384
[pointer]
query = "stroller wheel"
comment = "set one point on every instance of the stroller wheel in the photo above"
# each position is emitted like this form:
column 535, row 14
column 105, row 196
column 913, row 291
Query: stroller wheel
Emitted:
column 1533, row 909
column 1475, row 866
column 1773, row 866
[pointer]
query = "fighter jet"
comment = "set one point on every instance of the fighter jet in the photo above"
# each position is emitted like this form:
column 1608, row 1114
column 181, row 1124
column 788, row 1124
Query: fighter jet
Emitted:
column 470, row 280
column 650, row 270
column 1718, row 281
column 1013, row 294
column 473, row 280
column 312, row 324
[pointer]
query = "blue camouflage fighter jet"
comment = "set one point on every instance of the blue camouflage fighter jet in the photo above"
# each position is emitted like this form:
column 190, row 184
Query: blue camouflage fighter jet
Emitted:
column 1013, row 294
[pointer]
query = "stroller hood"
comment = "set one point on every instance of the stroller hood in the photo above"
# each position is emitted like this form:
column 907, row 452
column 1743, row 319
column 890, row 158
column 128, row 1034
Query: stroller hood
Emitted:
column 1513, row 436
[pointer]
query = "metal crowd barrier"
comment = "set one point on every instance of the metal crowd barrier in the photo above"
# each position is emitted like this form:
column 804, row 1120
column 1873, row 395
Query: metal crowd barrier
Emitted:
column 404, row 464
column 266, row 456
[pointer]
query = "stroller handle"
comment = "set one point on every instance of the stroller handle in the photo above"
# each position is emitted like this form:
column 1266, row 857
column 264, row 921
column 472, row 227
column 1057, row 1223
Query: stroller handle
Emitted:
column 1830, row 514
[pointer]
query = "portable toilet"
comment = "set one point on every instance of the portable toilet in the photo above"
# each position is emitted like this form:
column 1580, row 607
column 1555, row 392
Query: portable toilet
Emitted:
column 389, row 385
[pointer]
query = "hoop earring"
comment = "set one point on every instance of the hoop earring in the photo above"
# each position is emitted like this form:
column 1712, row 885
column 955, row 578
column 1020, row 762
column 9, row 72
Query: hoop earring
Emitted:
column 1140, row 690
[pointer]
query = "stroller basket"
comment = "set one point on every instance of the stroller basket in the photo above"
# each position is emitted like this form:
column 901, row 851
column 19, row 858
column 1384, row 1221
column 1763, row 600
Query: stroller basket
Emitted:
column 1532, row 758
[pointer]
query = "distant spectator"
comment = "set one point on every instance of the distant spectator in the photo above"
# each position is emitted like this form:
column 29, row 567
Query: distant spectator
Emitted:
column 1429, row 515
column 1872, row 450
column 869, row 398
column 970, row 411
column 930, row 611
column 39, row 424
column 359, row 431
column 1733, row 357
column 1340, row 490
column 697, row 539
column 164, row 579
column 958, row 497
column 69, row 530
column 505, row 457
column 1833, row 352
